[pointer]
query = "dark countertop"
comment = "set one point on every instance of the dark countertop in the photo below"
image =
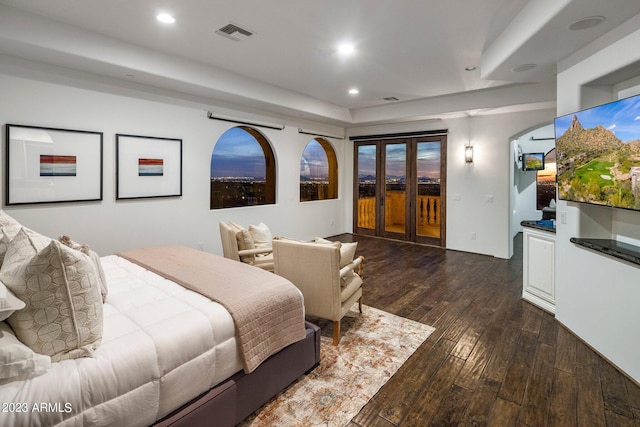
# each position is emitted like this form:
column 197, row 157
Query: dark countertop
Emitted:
column 621, row 250
column 544, row 225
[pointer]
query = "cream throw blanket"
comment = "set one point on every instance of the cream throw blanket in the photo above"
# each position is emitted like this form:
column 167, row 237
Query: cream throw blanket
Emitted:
column 267, row 309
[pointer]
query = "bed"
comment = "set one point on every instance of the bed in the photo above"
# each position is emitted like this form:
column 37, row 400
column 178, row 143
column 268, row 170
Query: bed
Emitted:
column 168, row 356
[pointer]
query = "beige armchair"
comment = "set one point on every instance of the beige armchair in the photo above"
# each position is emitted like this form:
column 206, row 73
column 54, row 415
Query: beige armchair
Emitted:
column 237, row 244
column 329, row 291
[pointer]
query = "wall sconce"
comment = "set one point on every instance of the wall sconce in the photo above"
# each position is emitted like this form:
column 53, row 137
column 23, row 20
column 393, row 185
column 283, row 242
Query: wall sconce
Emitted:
column 468, row 153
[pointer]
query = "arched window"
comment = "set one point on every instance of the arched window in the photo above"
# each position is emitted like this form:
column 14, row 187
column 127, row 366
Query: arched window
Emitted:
column 243, row 170
column 318, row 171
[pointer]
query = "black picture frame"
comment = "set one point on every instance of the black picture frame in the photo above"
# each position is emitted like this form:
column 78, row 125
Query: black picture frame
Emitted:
column 52, row 165
column 148, row 167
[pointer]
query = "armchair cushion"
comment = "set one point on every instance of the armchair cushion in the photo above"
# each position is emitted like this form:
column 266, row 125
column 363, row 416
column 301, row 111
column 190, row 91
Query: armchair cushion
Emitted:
column 349, row 286
column 347, row 250
column 245, row 242
column 261, row 235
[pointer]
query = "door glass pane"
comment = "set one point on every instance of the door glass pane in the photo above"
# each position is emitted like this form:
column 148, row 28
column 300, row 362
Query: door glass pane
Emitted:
column 367, row 186
column 428, row 203
column 395, row 183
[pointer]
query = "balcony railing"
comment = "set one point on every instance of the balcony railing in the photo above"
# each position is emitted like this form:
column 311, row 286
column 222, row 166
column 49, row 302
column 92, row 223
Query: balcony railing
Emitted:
column 427, row 210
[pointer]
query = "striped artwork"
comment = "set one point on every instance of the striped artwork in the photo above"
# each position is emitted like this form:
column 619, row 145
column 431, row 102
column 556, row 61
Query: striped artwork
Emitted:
column 150, row 167
column 54, row 165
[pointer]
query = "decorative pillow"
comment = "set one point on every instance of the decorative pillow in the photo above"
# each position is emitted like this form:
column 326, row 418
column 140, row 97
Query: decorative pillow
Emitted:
column 4, row 244
column 347, row 251
column 95, row 259
column 9, row 225
column 245, row 242
column 24, row 247
column 8, row 302
column 261, row 235
column 59, row 285
column 17, row 361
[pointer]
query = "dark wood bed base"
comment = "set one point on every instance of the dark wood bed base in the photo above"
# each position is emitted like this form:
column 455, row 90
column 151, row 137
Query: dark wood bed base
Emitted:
column 233, row 400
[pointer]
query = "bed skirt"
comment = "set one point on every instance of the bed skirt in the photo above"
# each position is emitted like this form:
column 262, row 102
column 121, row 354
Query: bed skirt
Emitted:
column 233, row 400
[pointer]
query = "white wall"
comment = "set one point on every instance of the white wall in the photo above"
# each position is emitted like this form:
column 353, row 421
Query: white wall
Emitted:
column 525, row 203
column 598, row 296
column 471, row 187
column 111, row 226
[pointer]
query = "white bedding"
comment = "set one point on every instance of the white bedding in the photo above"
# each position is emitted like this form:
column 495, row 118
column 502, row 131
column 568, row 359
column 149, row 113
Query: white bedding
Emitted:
column 162, row 346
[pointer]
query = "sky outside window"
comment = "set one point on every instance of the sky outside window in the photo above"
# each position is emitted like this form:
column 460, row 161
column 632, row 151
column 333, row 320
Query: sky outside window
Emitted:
column 237, row 154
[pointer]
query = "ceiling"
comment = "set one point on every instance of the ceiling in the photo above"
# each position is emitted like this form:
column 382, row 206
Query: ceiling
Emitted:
column 413, row 51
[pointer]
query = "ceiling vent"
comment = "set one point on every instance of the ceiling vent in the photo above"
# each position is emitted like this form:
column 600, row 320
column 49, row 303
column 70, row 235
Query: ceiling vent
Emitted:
column 234, row 32
column 390, row 98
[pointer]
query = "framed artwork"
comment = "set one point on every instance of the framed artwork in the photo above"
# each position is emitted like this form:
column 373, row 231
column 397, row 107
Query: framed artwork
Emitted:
column 148, row 167
column 49, row 165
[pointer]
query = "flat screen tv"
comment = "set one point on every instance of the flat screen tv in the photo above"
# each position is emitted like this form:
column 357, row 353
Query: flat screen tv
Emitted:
column 598, row 154
column 533, row 161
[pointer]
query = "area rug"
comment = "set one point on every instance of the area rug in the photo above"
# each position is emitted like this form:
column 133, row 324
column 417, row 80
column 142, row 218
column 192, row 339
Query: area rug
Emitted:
column 374, row 345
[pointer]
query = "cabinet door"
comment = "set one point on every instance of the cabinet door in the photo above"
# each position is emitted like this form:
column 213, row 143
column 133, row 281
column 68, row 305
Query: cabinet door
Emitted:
column 539, row 265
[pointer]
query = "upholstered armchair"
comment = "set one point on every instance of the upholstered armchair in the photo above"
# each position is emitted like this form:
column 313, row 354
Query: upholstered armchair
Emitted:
column 238, row 244
column 329, row 290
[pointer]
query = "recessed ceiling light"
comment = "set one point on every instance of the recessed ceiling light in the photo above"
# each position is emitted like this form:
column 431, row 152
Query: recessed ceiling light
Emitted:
column 523, row 67
column 584, row 23
column 470, row 68
column 346, row 49
column 353, row 91
column 166, row 18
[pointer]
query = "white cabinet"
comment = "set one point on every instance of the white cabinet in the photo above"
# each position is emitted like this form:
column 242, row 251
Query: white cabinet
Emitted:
column 539, row 269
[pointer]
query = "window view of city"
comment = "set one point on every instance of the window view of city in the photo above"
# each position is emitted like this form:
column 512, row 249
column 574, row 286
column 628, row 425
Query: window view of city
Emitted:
column 238, row 171
column 317, row 173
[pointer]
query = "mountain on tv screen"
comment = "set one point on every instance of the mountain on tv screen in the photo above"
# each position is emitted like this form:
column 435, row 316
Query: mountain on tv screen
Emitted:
column 598, row 154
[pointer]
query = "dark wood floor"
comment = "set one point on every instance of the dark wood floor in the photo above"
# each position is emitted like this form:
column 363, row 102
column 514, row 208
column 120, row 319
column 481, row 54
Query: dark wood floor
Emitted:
column 493, row 359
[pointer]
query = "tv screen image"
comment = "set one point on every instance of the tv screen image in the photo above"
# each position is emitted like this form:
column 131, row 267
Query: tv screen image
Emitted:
column 598, row 154
column 533, row 161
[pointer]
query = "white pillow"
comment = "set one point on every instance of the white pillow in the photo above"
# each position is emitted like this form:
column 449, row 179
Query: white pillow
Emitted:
column 347, row 251
column 261, row 234
column 17, row 361
column 8, row 302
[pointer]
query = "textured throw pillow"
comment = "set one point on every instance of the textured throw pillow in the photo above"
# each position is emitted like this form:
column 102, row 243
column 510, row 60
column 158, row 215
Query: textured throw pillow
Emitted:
column 8, row 302
column 261, row 235
column 245, row 242
column 17, row 361
column 95, row 259
column 4, row 244
column 9, row 225
column 25, row 246
column 59, row 285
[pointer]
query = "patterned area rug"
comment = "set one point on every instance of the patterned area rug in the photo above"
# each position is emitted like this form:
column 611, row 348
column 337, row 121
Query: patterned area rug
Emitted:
column 374, row 345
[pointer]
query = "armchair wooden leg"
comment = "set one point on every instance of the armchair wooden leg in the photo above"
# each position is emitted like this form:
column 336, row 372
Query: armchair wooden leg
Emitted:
column 336, row 332
column 360, row 305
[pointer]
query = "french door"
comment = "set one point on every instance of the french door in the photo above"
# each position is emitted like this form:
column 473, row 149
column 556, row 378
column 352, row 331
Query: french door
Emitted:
column 400, row 188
